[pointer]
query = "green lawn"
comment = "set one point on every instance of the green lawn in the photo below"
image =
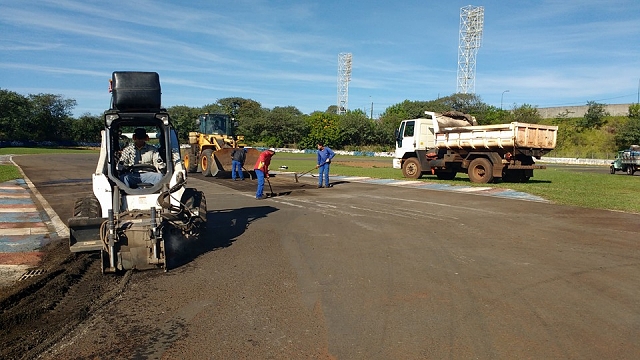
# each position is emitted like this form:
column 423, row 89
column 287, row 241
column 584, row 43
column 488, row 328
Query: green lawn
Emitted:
column 562, row 186
column 9, row 172
column 23, row 151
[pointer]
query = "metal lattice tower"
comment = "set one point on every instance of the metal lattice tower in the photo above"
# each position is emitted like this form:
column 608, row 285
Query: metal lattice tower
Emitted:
column 344, row 76
column 471, row 24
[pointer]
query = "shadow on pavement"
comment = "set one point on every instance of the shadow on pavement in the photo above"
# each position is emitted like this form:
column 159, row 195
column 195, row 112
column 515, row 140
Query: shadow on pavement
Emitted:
column 223, row 227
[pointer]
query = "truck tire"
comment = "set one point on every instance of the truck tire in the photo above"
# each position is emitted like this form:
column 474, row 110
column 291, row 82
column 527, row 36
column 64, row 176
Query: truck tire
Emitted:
column 612, row 169
column 411, row 169
column 206, row 161
column 480, row 171
column 630, row 170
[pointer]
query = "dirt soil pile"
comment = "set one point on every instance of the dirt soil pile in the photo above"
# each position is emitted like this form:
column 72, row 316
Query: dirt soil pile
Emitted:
column 38, row 311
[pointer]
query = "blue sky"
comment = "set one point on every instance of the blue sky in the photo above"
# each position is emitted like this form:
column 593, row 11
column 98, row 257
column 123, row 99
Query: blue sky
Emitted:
column 282, row 53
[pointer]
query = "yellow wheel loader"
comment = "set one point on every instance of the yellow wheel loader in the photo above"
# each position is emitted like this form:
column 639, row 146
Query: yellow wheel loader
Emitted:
column 210, row 148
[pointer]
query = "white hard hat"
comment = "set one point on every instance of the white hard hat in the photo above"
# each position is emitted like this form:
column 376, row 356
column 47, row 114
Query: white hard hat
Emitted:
column 272, row 149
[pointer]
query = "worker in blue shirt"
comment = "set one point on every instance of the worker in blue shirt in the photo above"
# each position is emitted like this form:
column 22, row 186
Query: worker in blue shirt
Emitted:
column 324, row 160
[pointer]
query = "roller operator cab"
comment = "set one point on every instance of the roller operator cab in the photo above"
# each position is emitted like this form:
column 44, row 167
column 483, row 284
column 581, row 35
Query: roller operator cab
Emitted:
column 137, row 224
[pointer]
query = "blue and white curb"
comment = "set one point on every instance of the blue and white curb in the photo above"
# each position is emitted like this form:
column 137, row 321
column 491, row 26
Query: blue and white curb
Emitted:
column 479, row 190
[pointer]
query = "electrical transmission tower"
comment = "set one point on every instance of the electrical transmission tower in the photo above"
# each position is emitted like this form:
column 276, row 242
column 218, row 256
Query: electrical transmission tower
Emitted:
column 344, row 76
column 471, row 24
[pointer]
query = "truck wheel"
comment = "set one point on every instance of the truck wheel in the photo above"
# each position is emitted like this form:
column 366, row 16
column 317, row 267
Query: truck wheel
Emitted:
column 630, row 170
column 190, row 162
column 480, row 171
column 612, row 169
column 411, row 169
column 205, row 162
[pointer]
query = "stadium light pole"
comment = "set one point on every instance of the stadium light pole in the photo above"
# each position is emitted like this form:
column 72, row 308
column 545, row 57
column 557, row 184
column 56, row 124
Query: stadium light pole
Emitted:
column 502, row 97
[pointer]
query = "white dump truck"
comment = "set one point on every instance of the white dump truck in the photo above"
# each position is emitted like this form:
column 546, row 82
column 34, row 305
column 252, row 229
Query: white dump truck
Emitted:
column 450, row 143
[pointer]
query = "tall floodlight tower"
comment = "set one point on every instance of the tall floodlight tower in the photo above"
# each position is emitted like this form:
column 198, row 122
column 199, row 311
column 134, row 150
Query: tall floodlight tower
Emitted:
column 344, row 76
column 471, row 24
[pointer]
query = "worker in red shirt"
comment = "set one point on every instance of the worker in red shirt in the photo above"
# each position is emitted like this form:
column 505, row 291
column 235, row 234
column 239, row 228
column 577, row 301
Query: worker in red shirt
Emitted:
column 262, row 170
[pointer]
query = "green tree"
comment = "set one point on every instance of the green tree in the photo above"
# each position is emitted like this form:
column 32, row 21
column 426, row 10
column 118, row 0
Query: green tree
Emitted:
column 356, row 129
column 629, row 133
column 526, row 113
column 284, row 126
column 594, row 118
column 249, row 114
column 184, row 119
column 332, row 109
column 465, row 103
column 14, row 112
column 323, row 127
column 494, row 115
column 87, row 128
column 50, row 117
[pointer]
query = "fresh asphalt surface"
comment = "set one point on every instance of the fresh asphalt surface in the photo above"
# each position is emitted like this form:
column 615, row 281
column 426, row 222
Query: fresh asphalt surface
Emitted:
column 365, row 271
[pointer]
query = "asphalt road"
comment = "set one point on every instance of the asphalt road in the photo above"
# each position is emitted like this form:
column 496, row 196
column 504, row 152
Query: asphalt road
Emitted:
column 362, row 271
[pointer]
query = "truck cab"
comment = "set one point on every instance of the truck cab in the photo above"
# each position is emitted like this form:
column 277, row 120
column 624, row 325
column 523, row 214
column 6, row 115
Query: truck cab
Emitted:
column 414, row 134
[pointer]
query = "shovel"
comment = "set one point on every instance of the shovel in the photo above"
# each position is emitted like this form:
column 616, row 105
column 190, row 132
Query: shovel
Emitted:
column 306, row 172
column 245, row 169
column 270, row 188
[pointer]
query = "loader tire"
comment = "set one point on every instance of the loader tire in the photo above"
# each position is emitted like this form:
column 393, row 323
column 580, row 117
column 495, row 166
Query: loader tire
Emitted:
column 480, row 171
column 190, row 162
column 87, row 207
column 206, row 160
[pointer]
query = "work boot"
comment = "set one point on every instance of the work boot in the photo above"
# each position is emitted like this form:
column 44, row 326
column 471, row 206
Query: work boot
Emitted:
column 320, row 186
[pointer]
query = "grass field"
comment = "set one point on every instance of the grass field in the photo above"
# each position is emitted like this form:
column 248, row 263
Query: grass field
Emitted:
column 562, row 186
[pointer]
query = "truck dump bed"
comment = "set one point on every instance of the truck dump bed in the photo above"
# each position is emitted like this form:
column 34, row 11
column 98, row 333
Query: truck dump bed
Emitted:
column 500, row 136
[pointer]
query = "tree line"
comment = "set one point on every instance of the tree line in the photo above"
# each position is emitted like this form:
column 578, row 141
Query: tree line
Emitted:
column 48, row 117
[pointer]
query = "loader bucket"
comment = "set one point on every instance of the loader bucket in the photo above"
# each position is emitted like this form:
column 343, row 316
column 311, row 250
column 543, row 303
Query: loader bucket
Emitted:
column 223, row 159
column 251, row 159
column 84, row 234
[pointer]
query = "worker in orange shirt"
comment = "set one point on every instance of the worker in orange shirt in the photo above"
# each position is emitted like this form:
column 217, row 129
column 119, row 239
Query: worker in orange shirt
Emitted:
column 262, row 170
